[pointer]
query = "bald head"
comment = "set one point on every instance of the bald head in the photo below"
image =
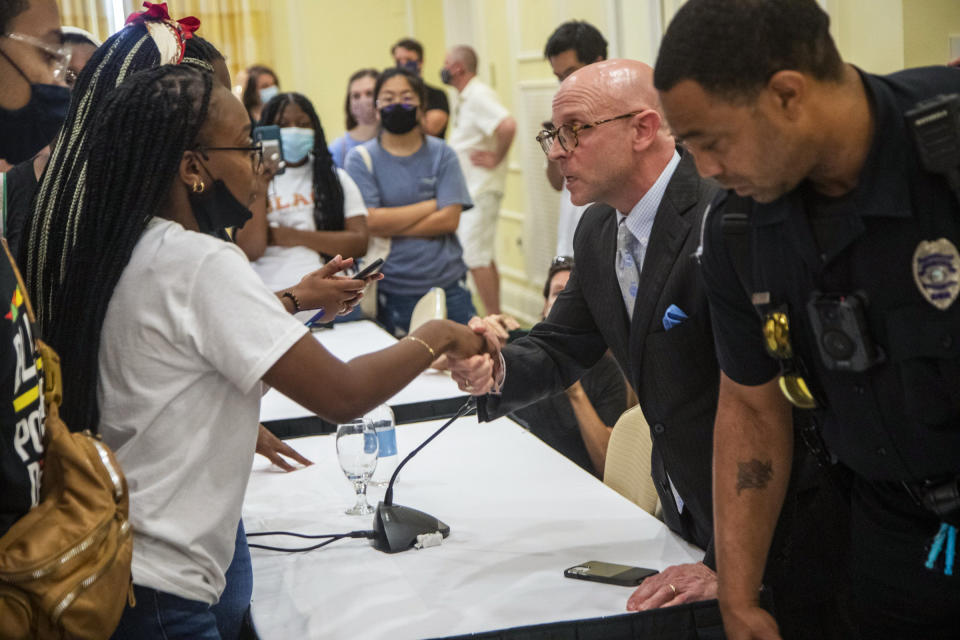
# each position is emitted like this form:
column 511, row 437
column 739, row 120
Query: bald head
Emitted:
column 618, row 86
column 466, row 56
column 612, row 143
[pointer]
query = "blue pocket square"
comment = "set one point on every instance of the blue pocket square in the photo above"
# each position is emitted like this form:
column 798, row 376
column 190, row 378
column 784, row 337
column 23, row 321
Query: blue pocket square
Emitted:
column 673, row 317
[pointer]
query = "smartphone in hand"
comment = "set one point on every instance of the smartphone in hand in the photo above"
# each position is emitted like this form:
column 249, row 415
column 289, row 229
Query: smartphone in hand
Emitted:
column 619, row 574
column 269, row 137
column 371, row 269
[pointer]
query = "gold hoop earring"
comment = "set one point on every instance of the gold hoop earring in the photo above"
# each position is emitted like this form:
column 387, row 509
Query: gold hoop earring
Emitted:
column 198, row 187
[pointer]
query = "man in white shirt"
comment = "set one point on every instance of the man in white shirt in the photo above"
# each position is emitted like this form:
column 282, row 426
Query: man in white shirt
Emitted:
column 482, row 133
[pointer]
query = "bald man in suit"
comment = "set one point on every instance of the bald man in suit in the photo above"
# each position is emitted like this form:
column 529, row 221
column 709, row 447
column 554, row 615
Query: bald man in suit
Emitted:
column 636, row 290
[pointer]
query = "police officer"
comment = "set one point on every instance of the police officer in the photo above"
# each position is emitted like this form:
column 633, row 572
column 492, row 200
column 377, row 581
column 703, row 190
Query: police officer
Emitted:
column 839, row 297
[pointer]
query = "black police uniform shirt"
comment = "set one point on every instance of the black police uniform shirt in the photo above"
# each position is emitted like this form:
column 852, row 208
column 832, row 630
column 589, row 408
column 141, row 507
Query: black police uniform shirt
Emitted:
column 21, row 415
column 899, row 420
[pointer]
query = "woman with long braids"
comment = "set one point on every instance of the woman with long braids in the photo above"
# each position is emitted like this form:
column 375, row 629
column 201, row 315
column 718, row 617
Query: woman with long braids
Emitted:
column 314, row 209
column 166, row 375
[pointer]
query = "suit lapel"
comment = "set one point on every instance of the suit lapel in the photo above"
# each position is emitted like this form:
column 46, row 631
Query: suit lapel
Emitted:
column 601, row 287
column 667, row 238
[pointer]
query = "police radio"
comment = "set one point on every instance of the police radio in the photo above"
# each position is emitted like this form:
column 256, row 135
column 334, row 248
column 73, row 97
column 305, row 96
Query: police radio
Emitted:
column 935, row 124
column 840, row 325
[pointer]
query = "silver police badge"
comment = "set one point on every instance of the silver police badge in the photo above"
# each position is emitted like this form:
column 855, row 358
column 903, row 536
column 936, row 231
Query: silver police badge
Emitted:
column 936, row 270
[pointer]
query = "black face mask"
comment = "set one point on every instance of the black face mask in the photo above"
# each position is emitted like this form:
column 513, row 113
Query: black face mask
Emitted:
column 27, row 130
column 216, row 210
column 398, row 118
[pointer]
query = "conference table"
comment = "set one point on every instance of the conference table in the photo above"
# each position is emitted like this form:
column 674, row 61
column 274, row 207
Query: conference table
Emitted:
column 519, row 514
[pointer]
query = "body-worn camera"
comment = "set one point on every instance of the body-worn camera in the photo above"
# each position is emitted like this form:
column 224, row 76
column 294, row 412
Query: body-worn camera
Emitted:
column 840, row 325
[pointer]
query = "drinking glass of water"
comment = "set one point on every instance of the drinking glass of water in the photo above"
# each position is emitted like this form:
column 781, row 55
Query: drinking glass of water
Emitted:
column 357, row 449
column 383, row 422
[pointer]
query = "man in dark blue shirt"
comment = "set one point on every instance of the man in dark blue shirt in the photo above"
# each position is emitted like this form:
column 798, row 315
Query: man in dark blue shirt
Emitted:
column 838, row 296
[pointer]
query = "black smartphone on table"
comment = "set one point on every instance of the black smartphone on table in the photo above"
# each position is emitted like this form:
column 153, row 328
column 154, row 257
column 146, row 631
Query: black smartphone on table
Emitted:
column 371, row 269
column 609, row 573
column 269, row 137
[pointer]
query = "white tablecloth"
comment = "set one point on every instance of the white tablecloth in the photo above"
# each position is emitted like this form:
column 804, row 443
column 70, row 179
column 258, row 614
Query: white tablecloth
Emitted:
column 347, row 341
column 519, row 514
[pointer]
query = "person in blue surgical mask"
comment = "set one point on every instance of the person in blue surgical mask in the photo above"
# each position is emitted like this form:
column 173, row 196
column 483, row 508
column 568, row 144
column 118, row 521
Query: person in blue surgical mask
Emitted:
column 261, row 86
column 314, row 210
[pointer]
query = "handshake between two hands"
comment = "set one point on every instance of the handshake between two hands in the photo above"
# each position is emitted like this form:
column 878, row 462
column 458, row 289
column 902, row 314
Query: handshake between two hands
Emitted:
column 482, row 373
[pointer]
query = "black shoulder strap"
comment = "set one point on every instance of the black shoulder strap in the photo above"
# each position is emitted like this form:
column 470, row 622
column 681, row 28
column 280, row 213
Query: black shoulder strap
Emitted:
column 735, row 225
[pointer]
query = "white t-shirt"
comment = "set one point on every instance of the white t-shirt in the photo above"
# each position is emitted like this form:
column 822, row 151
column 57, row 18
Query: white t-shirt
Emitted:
column 477, row 115
column 188, row 334
column 291, row 205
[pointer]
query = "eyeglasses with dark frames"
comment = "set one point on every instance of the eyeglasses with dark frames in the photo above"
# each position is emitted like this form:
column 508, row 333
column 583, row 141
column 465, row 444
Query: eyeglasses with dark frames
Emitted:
column 568, row 134
column 255, row 151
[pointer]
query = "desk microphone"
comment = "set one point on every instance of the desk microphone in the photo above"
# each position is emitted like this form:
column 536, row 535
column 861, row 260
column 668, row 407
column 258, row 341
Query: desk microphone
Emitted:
column 396, row 527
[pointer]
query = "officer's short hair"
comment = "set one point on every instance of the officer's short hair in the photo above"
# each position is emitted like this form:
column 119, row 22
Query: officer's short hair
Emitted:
column 732, row 47
column 584, row 38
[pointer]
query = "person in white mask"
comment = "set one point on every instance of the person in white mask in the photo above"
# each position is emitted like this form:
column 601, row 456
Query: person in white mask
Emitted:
column 261, row 86
column 362, row 123
column 314, row 210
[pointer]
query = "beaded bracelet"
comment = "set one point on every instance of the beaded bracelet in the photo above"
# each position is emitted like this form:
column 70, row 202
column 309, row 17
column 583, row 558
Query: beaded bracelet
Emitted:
column 293, row 299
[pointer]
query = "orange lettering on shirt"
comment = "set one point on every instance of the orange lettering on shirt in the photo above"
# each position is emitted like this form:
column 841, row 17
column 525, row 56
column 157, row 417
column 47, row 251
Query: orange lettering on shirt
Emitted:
column 299, row 200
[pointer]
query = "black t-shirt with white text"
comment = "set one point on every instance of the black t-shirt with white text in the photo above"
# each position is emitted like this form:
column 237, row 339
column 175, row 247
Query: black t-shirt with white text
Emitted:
column 21, row 415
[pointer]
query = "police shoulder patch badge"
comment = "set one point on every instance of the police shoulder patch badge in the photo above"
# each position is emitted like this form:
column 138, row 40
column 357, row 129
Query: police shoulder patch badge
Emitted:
column 936, row 270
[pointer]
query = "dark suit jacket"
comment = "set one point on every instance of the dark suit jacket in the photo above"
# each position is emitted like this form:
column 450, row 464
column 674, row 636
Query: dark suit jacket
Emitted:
column 674, row 373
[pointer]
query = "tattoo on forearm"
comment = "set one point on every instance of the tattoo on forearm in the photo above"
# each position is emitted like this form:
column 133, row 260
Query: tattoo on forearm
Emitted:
column 753, row 474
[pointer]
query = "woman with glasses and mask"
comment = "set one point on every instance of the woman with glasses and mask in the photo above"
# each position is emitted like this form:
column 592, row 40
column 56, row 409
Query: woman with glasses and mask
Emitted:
column 167, row 377
column 414, row 192
column 21, row 182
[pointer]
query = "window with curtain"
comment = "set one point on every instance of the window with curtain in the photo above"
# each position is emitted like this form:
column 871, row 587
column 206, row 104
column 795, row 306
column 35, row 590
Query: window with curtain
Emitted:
column 240, row 29
column 92, row 15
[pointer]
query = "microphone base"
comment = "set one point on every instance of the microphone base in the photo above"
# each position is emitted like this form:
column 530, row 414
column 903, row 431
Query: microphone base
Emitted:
column 396, row 527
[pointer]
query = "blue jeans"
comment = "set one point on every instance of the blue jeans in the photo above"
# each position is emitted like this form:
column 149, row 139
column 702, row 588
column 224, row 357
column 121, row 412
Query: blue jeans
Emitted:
column 394, row 311
column 235, row 599
column 165, row 616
